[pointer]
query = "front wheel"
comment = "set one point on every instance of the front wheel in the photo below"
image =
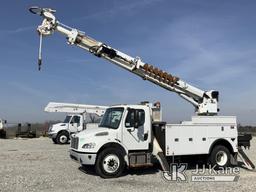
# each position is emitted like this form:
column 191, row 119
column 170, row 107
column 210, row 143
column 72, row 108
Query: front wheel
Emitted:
column 62, row 138
column 54, row 140
column 110, row 163
column 220, row 157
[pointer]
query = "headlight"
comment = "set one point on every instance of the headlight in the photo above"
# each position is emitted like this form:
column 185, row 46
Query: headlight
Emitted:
column 89, row 145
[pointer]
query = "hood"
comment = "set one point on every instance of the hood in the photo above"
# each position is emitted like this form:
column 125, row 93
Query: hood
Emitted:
column 92, row 132
column 59, row 124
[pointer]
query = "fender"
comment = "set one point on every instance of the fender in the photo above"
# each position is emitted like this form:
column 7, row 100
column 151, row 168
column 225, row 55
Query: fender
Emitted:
column 118, row 145
column 223, row 142
column 65, row 131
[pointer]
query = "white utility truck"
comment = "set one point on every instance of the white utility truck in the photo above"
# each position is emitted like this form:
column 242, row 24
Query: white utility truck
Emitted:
column 134, row 135
column 80, row 117
column 2, row 124
column 2, row 128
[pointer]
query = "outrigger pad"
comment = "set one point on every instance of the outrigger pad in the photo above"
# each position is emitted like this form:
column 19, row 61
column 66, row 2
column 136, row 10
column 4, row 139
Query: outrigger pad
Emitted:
column 248, row 163
column 163, row 161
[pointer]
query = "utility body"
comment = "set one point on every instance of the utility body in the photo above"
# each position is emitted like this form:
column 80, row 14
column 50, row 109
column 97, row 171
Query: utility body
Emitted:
column 78, row 118
column 135, row 135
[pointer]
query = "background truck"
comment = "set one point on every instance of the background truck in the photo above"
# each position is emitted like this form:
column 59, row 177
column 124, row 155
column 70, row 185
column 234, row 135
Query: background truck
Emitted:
column 133, row 135
column 1, row 124
column 79, row 117
column 2, row 128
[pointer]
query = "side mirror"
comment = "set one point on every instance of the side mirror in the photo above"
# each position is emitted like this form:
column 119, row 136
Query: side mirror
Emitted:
column 5, row 121
column 130, row 129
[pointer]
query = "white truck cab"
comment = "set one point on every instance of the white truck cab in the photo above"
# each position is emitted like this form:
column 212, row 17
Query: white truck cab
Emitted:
column 116, row 133
column 60, row 132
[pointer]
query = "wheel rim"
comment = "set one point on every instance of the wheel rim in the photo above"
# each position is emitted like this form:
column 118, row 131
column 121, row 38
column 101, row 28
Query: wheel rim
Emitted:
column 63, row 138
column 221, row 158
column 111, row 163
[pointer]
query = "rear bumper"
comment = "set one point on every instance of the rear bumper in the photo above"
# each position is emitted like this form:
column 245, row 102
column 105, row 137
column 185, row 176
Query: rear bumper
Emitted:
column 83, row 157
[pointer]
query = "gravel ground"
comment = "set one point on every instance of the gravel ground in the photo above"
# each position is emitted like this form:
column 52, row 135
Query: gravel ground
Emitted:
column 40, row 165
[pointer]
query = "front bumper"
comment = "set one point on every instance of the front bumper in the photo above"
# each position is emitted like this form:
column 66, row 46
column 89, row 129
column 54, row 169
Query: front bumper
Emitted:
column 83, row 157
column 52, row 135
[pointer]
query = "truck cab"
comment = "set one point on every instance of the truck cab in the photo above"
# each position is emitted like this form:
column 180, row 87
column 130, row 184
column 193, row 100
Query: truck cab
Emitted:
column 123, row 131
column 60, row 132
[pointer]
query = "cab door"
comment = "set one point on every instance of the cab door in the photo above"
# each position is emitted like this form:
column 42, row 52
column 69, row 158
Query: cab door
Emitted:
column 135, row 129
column 75, row 124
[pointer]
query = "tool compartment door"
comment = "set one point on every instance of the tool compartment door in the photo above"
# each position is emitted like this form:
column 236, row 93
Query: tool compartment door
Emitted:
column 186, row 140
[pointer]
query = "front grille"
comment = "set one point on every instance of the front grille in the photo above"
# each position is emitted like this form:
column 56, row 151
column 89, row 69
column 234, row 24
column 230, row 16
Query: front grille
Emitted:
column 74, row 142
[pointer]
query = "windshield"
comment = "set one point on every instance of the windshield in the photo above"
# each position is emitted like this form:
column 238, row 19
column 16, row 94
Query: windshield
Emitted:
column 112, row 118
column 67, row 119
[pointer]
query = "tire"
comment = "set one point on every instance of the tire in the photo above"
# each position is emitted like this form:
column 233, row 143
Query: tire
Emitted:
column 220, row 157
column 54, row 140
column 110, row 163
column 62, row 138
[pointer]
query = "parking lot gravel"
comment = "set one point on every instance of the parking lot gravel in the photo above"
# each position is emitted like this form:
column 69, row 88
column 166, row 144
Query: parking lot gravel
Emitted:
column 39, row 165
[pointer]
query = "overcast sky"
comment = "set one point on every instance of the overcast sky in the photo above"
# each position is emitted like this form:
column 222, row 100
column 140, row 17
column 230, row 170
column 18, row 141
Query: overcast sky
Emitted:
column 210, row 44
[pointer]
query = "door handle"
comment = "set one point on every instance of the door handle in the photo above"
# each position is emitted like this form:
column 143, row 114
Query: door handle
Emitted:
column 145, row 136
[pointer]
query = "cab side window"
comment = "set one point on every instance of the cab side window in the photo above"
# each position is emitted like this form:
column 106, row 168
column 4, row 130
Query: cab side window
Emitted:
column 76, row 119
column 130, row 118
column 141, row 117
column 129, row 121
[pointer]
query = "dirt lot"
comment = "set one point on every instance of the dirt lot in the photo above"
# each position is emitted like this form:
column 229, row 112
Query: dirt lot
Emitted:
column 40, row 165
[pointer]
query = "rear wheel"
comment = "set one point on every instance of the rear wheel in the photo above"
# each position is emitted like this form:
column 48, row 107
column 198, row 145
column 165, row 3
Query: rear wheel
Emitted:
column 220, row 156
column 110, row 163
column 62, row 138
